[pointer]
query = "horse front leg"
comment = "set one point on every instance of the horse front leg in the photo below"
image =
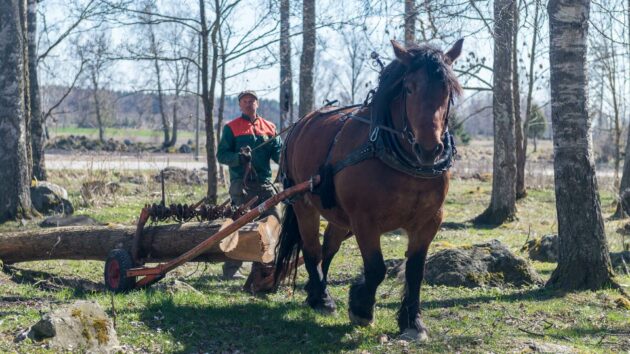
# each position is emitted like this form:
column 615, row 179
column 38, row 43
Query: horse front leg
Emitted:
column 409, row 320
column 362, row 293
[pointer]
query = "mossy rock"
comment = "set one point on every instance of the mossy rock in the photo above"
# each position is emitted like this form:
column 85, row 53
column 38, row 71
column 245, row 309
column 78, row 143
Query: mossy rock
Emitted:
column 488, row 264
column 82, row 326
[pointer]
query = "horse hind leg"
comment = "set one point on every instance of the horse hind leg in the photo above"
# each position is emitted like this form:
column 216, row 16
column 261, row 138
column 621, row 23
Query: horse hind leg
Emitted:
column 317, row 293
column 362, row 294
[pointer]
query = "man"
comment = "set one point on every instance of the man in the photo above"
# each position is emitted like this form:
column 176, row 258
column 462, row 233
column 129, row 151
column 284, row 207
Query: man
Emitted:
column 241, row 148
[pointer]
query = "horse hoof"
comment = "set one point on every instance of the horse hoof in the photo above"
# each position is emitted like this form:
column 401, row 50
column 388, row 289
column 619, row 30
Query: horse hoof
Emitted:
column 359, row 321
column 326, row 310
column 413, row 335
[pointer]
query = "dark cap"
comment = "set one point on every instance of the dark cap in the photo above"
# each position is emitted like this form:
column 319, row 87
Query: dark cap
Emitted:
column 247, row 92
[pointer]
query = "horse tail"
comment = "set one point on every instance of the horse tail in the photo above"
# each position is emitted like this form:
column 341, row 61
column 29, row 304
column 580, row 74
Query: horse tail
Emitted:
column 288, row 247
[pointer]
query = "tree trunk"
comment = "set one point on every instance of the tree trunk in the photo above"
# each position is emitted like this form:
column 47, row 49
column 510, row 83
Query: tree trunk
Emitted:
column 24, row 26
column 14, row 177
column 503, row 201
column 37, row 122
column 208, row 96
column 521, row 192
column 254, row 242
column 530, row 91
column 286, row 74
column 307, row 59
column 165, row 128
column 173, row 140
column 411, row 16
column 221, row 109
column 583, row 258
column 97, row 107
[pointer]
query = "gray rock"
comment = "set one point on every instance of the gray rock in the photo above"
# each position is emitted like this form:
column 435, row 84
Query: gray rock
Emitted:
column 544, row 249
column 75, row 220
column 185, row 149
column 82, row 326
column 488, row 264
column 621, row 262
column 538, row 347
column 172, row 286
column 49, row 198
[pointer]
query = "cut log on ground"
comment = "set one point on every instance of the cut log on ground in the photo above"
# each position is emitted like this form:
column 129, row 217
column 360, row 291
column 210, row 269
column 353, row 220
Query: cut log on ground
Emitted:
column 254, row 242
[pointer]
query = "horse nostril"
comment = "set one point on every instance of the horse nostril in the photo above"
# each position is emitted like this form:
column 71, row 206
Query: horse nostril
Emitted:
column 437, row 150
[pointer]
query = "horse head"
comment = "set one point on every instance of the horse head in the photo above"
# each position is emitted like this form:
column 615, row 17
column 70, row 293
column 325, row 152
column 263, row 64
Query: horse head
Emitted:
column 426, row 87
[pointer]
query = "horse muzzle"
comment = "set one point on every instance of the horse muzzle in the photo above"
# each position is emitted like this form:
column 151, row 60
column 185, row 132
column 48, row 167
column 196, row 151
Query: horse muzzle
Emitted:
column 428, row 157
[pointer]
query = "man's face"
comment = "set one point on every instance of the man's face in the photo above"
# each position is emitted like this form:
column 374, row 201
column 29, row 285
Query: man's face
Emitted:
column 248, row 105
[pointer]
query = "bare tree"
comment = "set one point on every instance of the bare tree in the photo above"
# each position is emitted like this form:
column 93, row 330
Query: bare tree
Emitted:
column 583, row 258
column 14, row 176
column 286, row 74
column 95, row 52
column 37, row 126
column 155, row 51
column 516, row 99
column 208, row 93
column 411, row 16
column 503, row 200
column 307, row 59
column 521, row 159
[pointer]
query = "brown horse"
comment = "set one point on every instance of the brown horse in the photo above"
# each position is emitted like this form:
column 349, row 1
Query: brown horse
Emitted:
column 383, row 166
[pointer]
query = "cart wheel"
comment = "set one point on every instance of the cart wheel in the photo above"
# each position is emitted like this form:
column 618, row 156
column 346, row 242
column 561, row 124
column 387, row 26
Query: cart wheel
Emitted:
column 116, row 267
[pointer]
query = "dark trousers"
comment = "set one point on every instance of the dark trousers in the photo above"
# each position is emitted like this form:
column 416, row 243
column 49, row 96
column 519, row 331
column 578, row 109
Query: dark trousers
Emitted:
column 241, row 194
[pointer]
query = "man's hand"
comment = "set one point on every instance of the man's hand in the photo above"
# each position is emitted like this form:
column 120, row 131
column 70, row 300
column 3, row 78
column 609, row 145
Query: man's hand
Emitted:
column 245, row 155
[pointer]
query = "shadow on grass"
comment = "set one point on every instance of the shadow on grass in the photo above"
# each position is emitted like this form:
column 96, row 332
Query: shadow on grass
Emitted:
column 253, row 327
column 51, row 282
column 453, row 225
column 539, row 294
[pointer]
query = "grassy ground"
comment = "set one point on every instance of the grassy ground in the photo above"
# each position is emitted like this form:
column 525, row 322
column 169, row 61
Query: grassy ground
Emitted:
column 218, row 317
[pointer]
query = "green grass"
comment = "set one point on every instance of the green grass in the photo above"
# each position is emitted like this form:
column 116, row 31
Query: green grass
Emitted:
column 218, row 317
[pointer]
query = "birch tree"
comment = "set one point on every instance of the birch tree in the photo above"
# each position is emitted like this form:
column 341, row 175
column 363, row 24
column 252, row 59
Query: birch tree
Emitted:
column 583, row 258
column 14, row 175
column 307, row 59
column 503, row 200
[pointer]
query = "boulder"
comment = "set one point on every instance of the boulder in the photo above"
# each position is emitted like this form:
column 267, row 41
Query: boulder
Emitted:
column 49, row 198
column 487, row 264
column 185, row 149
column 544, row 249
column 620, row 262
column 82, row 326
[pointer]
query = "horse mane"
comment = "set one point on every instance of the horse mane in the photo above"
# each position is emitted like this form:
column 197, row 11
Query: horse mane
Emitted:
column 390, row 80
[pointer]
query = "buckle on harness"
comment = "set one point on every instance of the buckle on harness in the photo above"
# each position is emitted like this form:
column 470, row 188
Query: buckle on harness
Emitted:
column 374, row 134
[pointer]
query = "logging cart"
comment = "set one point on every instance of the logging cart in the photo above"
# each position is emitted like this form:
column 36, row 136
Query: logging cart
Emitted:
column 125, row 270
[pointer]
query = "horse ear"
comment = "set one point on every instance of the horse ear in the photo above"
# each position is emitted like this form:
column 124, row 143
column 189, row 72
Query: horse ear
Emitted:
column 401, row 53
column 456, row 50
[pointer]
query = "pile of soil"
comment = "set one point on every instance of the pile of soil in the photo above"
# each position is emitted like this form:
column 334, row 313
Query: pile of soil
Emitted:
column 82, row 143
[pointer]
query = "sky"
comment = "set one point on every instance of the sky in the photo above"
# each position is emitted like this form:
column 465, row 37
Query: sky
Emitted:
column 331, row 73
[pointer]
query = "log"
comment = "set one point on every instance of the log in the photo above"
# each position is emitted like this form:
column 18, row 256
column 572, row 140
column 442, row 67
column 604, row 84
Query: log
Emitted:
column 254, row 242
